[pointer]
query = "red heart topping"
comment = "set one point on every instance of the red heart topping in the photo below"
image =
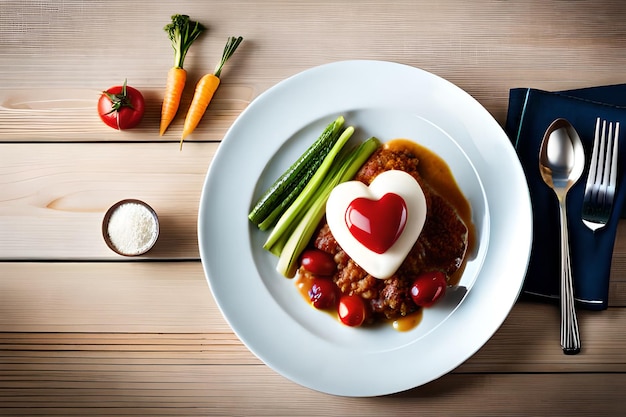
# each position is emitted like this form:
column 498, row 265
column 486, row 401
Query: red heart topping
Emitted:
column 377, row 224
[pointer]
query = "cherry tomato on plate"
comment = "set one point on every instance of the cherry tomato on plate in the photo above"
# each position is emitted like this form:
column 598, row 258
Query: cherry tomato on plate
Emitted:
column 121, row 107
column 351, row 310
column 323, row 293
column 428, row 288
column 318, row 262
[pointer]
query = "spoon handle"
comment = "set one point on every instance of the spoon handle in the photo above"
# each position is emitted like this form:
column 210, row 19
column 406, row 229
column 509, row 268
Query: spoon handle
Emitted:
column 570, row 336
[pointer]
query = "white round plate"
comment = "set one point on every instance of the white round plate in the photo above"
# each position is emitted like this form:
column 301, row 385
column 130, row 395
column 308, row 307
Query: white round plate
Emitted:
column 266, row 311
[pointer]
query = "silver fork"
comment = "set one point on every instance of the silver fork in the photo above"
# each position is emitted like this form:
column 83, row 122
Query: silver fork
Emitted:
column 602, row 179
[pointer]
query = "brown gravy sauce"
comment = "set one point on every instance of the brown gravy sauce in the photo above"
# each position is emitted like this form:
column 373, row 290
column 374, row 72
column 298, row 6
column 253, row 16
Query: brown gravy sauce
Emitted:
column 436, row 172
column 401, row 324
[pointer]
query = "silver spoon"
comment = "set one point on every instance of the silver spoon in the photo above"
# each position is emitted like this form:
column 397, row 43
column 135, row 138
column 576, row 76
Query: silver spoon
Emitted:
column 561, row 163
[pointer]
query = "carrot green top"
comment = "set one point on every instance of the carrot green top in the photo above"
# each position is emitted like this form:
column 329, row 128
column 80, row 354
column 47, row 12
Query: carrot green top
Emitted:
column 182, row 32
column 231, row 46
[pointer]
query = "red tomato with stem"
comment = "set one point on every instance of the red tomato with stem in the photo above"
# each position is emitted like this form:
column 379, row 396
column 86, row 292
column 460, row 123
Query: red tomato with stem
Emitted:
column 428, row 288
column 351, row 310
column 121, row 107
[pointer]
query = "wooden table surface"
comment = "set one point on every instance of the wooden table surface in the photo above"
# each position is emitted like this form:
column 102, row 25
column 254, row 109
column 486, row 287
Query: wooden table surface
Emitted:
column 86, row 332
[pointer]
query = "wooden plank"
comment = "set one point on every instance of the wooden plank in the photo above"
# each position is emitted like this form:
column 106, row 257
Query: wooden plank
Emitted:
column 256, row 390
column 69, row 115
column 54, row 211
column 485, row 46
column 54, row 196
column 523, row 344
column 107, row 297
column 131, row 308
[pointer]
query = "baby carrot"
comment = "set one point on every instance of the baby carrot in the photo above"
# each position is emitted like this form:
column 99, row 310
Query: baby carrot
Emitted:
column 182, row 33
column 205, row 89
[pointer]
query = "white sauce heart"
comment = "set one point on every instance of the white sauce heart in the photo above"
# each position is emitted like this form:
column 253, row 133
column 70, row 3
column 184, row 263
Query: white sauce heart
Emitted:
column 377, row 225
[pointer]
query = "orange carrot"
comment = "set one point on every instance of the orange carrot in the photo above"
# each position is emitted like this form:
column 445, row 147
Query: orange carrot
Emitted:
column 202, row 96
column 182, row 33
column 205, row 89
column 176, row 78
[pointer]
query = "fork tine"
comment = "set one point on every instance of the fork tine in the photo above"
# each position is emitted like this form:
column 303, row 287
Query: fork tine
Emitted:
column 592, row 177
column 612, row 182
column 605, row 160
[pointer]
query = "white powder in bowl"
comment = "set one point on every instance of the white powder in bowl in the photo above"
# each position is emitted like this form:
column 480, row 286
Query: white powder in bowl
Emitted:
column 132, row 228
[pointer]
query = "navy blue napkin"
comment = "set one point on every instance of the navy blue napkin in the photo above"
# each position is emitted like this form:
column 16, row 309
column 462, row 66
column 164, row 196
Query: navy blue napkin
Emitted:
column 530, row 113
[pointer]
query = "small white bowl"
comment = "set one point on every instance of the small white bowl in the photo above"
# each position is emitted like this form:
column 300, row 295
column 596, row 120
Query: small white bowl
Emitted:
column 130, row 227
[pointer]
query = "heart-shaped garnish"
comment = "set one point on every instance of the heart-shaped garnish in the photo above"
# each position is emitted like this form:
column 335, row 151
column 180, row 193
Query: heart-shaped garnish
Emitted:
column 377, row 225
